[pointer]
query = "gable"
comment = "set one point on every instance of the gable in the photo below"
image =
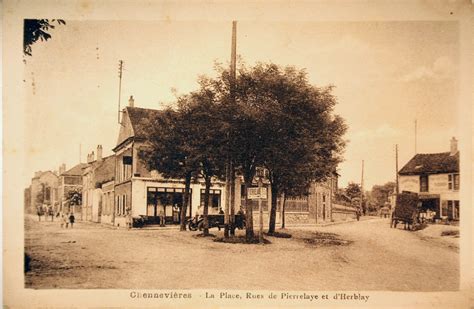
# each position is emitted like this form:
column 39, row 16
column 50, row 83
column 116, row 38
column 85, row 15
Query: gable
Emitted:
column 126, row 128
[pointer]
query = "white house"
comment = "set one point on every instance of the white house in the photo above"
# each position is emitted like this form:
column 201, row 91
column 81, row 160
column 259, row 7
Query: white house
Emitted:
column 435, row 177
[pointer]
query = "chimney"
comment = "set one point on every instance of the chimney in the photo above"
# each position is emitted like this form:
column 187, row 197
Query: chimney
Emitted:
column 62, row 168
column 131, row 101
column 454, row 146
column 99, row 152
column 90, row 157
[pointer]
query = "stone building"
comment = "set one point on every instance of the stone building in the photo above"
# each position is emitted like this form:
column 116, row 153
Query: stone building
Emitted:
column 43, row 191
column 436, row 179
column 97, row 172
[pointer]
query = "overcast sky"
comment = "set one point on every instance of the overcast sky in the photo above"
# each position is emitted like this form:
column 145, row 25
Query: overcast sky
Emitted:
column 386, row 75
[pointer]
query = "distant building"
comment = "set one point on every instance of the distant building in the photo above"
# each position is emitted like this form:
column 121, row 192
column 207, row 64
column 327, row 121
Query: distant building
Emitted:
column 70, row 180
column 97, row 172
column 43, row 191
column 435, row 177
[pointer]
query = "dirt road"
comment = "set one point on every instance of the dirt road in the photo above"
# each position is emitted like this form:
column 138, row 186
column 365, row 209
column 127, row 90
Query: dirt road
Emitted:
column 365, row 255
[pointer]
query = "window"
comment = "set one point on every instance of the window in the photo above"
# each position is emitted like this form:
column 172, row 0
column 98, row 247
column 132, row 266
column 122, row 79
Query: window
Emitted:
column 456, row 181
column 453, row 182
column 444, row 208
column 456, row 210
column 214, row 198
column 424, row 183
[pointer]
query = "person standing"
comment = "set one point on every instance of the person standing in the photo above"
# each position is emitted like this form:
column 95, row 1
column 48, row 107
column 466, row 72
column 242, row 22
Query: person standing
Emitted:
column 71, row 219
column 39, row 212
column 64, row 222
column 162, row 218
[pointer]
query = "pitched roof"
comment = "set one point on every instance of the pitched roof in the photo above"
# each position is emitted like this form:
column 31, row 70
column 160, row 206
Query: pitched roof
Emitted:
column 142, row 120
column 76, row 170
column 431, row 163
column 105, row 170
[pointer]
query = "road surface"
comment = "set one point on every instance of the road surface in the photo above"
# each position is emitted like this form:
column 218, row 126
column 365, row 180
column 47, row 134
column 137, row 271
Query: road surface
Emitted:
column 365, row 255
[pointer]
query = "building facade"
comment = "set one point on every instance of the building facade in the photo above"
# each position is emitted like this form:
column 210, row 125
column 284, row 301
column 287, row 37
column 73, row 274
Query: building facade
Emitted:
column 436, row 179
column 97, row 172
column 139, row 192
column 43, row 192
column 70, row 181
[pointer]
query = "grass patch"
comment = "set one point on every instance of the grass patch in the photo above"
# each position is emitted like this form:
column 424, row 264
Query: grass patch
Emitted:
column 202, row 235
column 450, row 233
column 279, row 235
column 240, row 240
column 324, row 239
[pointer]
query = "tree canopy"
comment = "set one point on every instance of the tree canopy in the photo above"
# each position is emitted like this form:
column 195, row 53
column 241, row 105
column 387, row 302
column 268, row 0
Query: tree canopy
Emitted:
column 37, row 29
column 268, row 117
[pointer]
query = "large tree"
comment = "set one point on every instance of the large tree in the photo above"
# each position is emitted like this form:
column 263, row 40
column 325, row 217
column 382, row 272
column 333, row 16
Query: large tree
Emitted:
column 273, row 118
column 170, row 153
column 380, row 193
column 37, row 29
column 206, row 142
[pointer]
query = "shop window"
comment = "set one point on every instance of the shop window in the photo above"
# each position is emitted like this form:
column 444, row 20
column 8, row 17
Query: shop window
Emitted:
column 424, row 183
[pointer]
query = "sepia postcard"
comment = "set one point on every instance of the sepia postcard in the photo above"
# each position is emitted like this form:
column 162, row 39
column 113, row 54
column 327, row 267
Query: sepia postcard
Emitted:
column 205, row 154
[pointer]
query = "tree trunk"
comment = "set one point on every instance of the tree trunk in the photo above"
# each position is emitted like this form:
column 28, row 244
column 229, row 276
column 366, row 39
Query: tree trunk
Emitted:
column 206, row 206
column 283, row 211
column 272, row 222
column 232, row 199
column 227, row 200
column 249, row 235
column 184, row 207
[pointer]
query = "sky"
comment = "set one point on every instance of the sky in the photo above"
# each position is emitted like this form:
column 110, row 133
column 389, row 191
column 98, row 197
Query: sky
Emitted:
column 386, row 75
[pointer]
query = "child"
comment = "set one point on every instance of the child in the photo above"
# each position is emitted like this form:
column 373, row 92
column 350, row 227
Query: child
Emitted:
column 71, row 219
column 64, row 222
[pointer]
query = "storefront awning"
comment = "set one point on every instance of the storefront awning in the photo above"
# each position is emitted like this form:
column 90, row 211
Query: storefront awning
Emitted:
column 427, row 196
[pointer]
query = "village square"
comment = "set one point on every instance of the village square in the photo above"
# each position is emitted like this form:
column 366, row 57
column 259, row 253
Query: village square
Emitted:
column 259, row 177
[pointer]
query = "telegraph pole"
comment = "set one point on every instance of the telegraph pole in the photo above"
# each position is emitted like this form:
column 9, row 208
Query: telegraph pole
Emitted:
column 120, row 87
column 362, row 187
column 396, row 167
column 415, row 137
column 229, row 212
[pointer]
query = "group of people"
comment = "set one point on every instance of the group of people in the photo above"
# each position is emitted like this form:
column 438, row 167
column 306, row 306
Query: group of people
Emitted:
column 65, row 220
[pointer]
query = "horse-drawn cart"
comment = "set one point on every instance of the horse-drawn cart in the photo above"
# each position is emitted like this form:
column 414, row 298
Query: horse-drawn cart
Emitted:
column 406, row 211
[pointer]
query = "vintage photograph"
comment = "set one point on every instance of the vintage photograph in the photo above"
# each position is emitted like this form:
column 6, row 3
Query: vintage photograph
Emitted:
column 241, row 156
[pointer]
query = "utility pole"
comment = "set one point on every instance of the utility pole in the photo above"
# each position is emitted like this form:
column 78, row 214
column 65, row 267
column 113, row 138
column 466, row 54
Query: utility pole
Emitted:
column 80, row 153
column 362, row 187
column 415, row 137
column 396, row 168
column 120, row 87
column 229, row 212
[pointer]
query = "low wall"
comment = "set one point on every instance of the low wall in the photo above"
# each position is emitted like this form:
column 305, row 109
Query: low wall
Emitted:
column 342, row 212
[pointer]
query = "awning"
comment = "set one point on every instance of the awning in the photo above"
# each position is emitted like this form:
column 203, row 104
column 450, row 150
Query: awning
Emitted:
column 427, row 196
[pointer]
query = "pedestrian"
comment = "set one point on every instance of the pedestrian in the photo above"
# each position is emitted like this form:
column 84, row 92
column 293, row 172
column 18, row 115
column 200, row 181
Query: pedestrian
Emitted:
column 39, row 212
column 358, row 214
column 64, row 222
column 128, row 219
column 51, row 213
column 162, row 218
column 71, row 219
